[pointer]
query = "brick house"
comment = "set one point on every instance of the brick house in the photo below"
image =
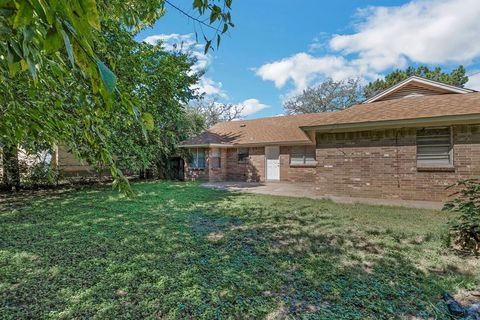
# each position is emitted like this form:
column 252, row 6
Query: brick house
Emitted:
column 409, row 142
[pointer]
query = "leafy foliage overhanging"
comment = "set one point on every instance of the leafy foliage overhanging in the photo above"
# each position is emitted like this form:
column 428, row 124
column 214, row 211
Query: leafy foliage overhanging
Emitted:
column 58, row 86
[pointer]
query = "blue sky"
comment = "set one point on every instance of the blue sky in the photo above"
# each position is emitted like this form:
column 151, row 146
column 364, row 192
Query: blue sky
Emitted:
column 279, row 47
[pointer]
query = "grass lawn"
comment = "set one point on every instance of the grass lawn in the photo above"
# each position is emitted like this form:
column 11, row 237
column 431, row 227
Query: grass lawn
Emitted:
column 181, row 251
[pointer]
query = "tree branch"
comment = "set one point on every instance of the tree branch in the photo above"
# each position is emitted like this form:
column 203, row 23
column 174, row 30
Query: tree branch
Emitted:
column 190, row 16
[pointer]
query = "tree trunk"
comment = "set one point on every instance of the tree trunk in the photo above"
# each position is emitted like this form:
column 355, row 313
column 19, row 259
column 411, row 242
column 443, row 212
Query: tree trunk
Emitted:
column 11, row 168
column 142, row 174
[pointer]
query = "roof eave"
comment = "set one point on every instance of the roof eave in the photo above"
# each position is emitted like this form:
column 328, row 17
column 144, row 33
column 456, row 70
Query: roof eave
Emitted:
column 253, row 144
column 276, row 143
column 400, row 123
column 206, row 145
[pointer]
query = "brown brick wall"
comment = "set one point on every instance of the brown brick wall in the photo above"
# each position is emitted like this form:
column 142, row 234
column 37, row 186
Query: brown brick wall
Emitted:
column 253, row 170
column 218, row 174
column 382, row 164
column 371, row 164
column 294, row 173
column 230, row 170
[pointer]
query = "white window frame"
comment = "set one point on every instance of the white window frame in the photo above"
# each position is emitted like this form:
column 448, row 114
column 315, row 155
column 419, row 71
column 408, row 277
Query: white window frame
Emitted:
column 429, row 158
column 215, row 154
column 301, row 158
column 195, row 158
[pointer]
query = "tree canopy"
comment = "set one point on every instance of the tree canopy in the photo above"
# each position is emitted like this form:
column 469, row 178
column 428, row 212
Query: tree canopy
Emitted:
column 456, row 77
column 64, row 78
column 213, row 112
column 330, row 95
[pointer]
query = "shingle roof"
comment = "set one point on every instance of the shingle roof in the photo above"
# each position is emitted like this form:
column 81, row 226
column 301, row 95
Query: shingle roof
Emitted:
column 405, row 109
column 283, row 129
column 257, row 131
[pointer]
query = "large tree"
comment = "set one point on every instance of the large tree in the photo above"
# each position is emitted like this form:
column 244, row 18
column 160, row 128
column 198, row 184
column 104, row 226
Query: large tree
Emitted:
column 456, row 77
column 330, row 95
column 157, row 82
column 214, row 112
column 58, row 84
column 161, row 83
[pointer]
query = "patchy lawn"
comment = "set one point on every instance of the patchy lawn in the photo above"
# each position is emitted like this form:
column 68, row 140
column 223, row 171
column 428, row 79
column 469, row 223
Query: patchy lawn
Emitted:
column 181, row 251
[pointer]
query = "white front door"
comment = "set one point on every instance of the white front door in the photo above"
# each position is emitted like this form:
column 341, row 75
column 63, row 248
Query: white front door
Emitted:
column 272, row 159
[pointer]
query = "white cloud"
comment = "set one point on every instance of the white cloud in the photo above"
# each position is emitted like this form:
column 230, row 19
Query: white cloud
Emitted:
column 171, row 40
column 474, row 81
column 304, row 68
column 210, row 88
column 422, row 31
column 251, row 106
column 183, row 43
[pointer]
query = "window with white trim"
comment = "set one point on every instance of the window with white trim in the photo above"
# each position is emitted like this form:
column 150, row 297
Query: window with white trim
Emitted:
column 303, row 156
column 434, row 147
column 215, row 160
column 243, row 154
column 198, row 159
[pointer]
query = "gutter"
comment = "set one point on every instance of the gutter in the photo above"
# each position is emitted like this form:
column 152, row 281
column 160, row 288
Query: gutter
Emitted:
column 207, row 145
column 383, row 124
column 278, row 143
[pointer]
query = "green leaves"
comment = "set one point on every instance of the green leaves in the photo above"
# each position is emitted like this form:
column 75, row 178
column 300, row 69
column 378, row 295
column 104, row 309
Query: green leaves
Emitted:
column 53, row 41
column 24, row 14
column 90, row 9
column 108, row 77
column 464, row 228
column 39, row 37
column 147, row 119
column 215, row 14
column 68, row 46
column 220, row 20
column 208, row 44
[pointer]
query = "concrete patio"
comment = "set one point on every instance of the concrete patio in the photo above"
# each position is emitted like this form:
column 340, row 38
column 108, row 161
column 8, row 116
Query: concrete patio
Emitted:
column 303, row 190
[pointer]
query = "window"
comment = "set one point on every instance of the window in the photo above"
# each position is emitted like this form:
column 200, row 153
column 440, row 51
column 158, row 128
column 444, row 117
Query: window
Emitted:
column 303, row 156
column 198, row 159
column 434, row 147
column 243, row 154
column 215, row 160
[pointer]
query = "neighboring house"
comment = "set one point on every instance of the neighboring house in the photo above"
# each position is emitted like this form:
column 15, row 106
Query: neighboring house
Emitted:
column 61, row 158
column 70, row 166
column 409, row 142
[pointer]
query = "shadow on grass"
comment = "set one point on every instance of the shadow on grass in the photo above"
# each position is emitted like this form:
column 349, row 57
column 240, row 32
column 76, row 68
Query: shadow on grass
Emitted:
column 182, row 251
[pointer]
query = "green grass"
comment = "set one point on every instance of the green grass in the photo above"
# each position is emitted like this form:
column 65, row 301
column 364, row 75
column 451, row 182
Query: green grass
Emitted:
column 182, row 251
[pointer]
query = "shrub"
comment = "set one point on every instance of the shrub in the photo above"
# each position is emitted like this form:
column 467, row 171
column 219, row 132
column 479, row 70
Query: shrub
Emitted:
column 465, row 227
column 41, row 175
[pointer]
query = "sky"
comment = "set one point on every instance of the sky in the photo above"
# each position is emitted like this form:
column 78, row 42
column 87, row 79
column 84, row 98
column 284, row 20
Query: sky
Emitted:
column 280, row 47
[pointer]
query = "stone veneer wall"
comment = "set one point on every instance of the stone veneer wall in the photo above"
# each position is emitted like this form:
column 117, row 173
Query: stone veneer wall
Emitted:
column 382, row 164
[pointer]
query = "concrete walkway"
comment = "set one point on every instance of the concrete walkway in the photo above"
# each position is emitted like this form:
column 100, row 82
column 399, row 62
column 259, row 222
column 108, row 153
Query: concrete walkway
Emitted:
column 303, row 190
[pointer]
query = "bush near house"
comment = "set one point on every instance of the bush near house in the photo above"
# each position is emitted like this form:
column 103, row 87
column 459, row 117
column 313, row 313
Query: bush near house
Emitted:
column 182, row 251
column 465, row 227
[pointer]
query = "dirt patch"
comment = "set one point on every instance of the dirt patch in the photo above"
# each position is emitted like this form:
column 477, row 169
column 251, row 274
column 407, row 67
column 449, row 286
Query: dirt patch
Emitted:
column 215, row 236
column 468, row 297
